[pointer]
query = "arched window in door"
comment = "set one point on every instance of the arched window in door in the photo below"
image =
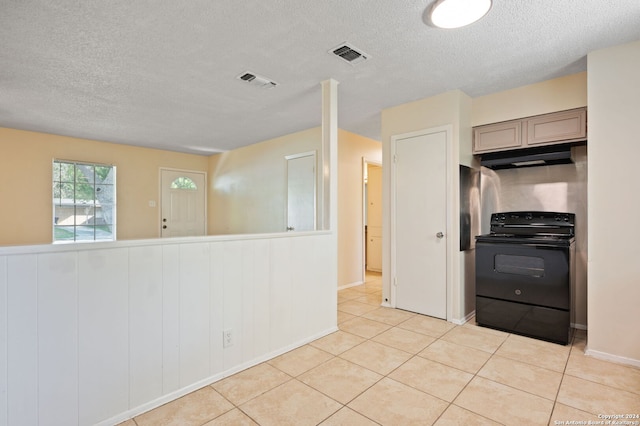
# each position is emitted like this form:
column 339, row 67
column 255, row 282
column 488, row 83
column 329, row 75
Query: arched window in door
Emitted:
column 183, row 182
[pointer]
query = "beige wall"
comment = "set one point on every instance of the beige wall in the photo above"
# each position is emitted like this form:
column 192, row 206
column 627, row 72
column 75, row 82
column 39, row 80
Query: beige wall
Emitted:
column 451, row 108
column 553, row 95
column 248, row 191
column 248, row 186
column 614, row 150
column 26, row 170
column 351, row 150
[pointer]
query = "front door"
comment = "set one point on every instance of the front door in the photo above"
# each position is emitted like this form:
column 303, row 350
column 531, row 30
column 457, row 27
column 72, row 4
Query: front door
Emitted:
column 183, row 198
column 301, row 192
column 420, row 210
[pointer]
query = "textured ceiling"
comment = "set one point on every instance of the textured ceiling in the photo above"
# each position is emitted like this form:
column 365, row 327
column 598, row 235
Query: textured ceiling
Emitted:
column 162, row 73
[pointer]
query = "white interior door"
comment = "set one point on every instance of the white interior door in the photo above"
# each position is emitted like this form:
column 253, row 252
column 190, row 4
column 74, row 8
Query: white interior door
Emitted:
column 301, row 192
column 374, row 218
column 420, row 254
column 183, row 203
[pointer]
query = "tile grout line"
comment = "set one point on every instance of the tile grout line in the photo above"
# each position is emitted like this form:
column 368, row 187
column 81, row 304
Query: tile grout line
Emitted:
column 412, row 356
column 564, row 370
column 416, row 355
column 474, row 376
column 494, row 353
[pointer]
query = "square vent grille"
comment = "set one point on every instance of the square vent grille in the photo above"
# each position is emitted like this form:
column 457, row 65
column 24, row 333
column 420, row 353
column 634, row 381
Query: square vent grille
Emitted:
column 257, row 80
column 349, row 53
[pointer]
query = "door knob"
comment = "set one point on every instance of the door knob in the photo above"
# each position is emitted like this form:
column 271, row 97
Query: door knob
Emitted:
column 290, row 228
column 440, row 235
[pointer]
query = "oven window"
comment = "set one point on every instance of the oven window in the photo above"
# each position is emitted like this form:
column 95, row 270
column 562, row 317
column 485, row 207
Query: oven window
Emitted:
column 519, row 265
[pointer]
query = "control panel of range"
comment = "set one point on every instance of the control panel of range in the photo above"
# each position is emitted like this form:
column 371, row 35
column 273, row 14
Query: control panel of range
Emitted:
column 529, row 218
column 533, row 223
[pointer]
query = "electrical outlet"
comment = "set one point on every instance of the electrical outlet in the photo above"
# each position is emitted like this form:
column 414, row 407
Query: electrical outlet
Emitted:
column 227, row 338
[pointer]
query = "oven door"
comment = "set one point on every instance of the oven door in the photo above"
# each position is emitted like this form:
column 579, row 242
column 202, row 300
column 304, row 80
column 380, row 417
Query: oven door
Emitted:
column 535, row 274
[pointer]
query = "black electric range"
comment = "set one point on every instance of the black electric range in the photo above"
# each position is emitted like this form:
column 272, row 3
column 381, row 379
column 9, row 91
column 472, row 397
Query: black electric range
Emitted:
column 524, row 274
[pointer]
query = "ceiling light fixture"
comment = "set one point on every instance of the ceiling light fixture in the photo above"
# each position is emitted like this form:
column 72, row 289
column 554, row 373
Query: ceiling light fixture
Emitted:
column 458, row 13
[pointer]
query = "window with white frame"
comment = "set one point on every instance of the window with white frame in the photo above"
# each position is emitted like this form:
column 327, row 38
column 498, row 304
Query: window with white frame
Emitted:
column 84, row 201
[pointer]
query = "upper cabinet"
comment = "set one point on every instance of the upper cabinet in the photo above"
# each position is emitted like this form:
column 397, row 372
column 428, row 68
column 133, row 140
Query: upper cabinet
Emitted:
column 557, row 127
column 547, row 129
column 497, row 137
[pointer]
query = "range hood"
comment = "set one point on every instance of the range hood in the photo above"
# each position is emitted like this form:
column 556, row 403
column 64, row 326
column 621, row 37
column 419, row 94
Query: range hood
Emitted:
column 528, row 157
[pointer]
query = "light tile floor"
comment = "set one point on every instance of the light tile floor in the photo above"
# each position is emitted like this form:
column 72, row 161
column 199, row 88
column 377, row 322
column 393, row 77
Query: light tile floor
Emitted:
column 393, row 367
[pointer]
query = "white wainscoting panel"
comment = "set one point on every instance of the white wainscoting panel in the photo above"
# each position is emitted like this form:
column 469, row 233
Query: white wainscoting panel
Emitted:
column 305, row 293
column 22, row 339
column 145, row 324
column 320, row 313
column 194, row 313
column 170, row 319
column 103, row 345
column 280, row 298
column 232, row 306
column 258, row 311
column 98, row 333
column 246, row 293
column 216, row 317
column 3, row 341
column 58, row 338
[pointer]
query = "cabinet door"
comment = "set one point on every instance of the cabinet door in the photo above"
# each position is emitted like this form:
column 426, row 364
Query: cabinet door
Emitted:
column 557, row 127
column 374, row 218
column 497, row 137
column 374, row 253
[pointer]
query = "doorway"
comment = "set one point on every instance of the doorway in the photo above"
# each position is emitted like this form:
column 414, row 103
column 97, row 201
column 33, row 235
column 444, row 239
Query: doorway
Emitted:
column 301, row 191
column 372, row 217
column 419, row 221
column 183, row 203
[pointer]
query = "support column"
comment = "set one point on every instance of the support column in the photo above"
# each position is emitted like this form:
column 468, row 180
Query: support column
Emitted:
column 329, row 189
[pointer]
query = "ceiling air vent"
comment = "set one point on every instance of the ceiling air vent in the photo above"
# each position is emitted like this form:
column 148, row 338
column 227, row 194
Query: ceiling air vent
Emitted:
column 257, row 80
column 349, row 53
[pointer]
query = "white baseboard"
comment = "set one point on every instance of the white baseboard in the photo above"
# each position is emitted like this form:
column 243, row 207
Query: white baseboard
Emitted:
column 613, row 358
column 129, row 414
column 353, row 284
column 461, row 321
